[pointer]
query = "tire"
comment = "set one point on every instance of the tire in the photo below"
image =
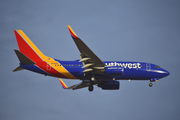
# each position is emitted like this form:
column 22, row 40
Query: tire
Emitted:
column 150, row 84
column 91, row 88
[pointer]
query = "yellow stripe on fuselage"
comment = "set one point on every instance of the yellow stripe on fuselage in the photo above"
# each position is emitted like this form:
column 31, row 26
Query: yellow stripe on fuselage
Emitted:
column 56, row 65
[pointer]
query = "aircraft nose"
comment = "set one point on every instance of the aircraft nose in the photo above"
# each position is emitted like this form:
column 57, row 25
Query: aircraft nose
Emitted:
column 166, row 73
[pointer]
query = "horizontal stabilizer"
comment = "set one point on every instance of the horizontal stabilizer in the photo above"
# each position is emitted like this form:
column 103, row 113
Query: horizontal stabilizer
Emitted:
column 18, row 69
column 23, row 58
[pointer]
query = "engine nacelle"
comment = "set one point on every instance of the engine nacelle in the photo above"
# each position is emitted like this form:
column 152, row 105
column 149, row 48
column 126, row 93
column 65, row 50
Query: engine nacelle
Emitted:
column 116, row 71
column 109, row 85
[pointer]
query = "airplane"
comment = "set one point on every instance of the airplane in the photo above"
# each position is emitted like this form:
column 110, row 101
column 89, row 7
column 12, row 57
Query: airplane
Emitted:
column 90, row 69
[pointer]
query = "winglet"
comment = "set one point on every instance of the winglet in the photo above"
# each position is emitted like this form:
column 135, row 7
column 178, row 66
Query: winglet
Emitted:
column 63, row 84
column 73, row 34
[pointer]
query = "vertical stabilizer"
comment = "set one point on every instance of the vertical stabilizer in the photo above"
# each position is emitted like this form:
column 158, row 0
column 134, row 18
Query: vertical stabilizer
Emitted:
column 27, row 47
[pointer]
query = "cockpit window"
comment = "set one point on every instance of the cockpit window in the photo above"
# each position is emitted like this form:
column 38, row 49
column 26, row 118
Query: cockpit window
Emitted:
column 157, row 67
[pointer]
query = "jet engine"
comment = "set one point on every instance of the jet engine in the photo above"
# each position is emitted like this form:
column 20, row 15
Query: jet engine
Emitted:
column 109, row 85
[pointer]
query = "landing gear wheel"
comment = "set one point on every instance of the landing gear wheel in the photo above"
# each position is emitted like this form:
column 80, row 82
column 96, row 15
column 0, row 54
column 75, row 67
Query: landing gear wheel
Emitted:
column 91, row 88
column 150, row 84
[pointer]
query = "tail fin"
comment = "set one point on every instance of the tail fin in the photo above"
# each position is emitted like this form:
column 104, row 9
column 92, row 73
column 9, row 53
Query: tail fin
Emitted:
column 27, row 47
column 29, row 54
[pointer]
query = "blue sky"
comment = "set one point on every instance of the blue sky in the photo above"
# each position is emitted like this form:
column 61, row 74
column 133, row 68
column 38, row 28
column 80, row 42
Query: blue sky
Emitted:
column 126, row 30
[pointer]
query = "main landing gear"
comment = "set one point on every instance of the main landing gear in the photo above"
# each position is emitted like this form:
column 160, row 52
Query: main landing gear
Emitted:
column 91, row 88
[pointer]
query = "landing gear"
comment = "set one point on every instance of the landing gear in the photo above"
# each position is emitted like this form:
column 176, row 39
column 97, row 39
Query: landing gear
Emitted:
column 91, row 84
column 91, row 88
column 92, row 79
column 150, row 84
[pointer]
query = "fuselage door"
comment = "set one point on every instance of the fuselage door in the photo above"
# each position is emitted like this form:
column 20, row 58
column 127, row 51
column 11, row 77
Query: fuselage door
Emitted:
column 48, row 67
column 148, row 67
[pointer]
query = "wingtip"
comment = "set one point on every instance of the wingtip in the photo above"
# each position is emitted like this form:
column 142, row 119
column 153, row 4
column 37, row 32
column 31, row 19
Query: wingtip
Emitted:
column 63, row 84
column 73, row 34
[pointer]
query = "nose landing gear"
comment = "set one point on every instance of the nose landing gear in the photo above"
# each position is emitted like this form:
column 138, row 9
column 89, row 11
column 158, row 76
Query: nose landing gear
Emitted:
column 150, row 84
column 153, row 80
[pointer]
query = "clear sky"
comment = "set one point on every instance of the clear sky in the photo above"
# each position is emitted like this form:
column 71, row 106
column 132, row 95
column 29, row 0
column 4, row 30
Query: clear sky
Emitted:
column 119, row 30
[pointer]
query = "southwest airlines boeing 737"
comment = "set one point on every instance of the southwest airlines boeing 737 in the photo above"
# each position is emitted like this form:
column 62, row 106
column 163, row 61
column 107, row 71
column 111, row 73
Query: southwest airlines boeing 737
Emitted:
column 90, row 69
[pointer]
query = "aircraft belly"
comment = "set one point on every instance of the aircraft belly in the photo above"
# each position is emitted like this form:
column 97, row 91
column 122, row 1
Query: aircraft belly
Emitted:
column 133, row 74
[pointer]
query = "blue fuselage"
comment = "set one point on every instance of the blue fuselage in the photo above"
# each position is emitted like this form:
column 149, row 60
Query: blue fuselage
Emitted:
column 131, row 70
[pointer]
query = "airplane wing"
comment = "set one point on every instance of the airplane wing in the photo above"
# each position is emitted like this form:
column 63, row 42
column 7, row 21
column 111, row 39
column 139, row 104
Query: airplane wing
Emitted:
column 90, row 61
column 83, row 84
